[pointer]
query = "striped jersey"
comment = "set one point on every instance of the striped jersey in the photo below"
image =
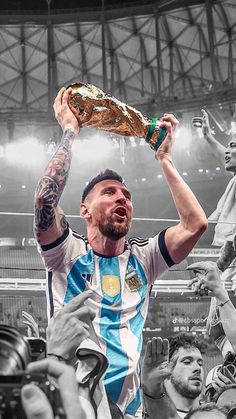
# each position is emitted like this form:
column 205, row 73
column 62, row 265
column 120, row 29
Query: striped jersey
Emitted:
column 121, row 287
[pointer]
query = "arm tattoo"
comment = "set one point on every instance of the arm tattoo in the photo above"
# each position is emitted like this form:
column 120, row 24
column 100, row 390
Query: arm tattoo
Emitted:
column 51, row 185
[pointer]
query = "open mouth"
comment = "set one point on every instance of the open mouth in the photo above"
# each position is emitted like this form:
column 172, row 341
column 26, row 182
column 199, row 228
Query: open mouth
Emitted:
column 227, row 159
column 121, row 212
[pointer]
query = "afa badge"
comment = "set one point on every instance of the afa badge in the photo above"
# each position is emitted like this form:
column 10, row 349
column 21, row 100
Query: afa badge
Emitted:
column 133, row 281
column 111, row 285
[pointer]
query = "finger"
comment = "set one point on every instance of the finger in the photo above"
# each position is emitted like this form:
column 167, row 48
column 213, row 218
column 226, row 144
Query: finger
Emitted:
column 205, row 114
column 159, row 346
column 148, row 352
column 35, row 403
column 66, row 95
column 49, row 366
column 197, row 266
column 57, row 100
column 77, row 302
column 27, row 316
column 170, row 117
column 202, row 266
column 154, row 348
column 197, row 286
column 167, row 125
column 166, row 347
column 27, row 323
column 85, row 314
column 192, row 282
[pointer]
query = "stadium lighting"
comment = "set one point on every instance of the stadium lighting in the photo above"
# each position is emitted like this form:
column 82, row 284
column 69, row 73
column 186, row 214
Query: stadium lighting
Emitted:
column 133, row 142
column 26, row 152
column 93, row 149
column 1, row 151
column 184, row 138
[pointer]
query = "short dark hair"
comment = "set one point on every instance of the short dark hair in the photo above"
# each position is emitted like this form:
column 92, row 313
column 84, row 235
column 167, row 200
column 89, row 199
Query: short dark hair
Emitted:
column 184, row 341
column 104, row 175
column 206, row 407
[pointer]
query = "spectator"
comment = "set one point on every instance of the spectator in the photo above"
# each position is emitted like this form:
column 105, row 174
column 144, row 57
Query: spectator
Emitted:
column 207, row 411
column 225, row 230
column 172, row 376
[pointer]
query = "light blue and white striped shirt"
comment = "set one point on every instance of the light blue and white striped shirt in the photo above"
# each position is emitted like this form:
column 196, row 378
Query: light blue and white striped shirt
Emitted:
column 121, row 287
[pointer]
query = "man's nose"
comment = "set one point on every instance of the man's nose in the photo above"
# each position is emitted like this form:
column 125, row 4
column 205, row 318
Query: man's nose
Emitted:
column 197, row 368
column 121, row 198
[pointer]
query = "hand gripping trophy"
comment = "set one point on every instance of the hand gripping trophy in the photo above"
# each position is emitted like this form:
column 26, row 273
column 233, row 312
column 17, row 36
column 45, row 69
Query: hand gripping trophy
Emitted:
column 96, row 109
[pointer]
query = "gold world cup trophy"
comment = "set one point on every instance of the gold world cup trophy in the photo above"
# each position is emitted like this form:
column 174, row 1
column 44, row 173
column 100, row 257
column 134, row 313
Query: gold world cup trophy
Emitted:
column 96, row 109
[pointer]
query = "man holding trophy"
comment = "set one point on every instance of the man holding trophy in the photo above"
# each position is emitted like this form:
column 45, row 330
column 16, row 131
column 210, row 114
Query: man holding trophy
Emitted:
column 119, row 272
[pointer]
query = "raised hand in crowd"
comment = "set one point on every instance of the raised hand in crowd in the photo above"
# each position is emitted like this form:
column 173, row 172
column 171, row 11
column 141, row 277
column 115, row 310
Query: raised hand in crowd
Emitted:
column 208, row 279
column 32, row 325
column 217, row 148
column 222, row 379
column 35, row 402
column 154, row 370
column 155, row 366
column 69, row 328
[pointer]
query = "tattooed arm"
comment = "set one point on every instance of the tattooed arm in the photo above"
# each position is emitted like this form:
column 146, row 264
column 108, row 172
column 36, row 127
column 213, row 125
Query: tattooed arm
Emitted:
column 50, row 221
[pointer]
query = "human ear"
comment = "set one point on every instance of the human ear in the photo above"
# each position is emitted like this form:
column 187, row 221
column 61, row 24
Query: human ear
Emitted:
column 84, row 212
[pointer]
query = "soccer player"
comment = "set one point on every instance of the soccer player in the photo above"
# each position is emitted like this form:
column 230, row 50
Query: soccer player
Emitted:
column 120, row 272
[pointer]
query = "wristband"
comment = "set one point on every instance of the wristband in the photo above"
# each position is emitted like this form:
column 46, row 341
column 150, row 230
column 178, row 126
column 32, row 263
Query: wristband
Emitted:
column 222, row 304
column 160, row 396
column 151, row 130
column 155, row 144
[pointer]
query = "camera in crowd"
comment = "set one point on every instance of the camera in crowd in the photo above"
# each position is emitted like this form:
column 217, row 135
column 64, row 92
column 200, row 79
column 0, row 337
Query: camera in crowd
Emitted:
column 225, row 397
column 16, row 351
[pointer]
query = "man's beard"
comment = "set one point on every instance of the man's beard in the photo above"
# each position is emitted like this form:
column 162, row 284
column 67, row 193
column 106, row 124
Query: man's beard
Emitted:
column 113, row 231
column 184, row 390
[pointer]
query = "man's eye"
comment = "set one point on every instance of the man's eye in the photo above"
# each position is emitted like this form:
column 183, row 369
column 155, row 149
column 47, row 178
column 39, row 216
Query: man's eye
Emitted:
column 108, row 192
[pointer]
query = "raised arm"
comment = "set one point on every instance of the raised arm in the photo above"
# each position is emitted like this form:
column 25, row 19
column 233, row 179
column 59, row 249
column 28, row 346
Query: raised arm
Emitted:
column 208, row 276
column 49, row 221
column 217, row 149
column 155, row 369
column 181, row 238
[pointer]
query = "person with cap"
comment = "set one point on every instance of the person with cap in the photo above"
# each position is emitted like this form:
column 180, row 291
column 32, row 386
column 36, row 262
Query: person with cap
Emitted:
column 119, row 272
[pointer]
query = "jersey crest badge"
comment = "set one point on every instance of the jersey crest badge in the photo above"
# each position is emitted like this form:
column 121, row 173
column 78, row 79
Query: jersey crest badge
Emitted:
column 133, row 281
column 111, row 285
